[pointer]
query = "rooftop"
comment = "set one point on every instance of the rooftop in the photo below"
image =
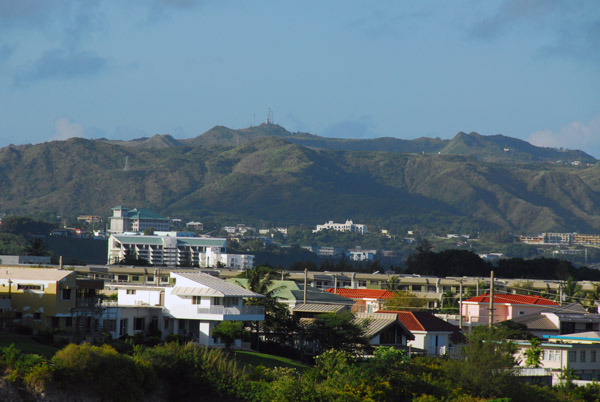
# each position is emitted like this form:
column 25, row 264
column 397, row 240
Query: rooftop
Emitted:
column 41, row 274
column 362, row 293
column 218, row 287
column 501, row 298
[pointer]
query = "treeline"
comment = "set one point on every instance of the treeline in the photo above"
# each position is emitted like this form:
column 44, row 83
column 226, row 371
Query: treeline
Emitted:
column 175, row 372
column 465, row 263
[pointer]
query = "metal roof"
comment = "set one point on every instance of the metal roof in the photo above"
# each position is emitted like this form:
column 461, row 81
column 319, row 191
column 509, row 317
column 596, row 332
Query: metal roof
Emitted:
column 194, row 291
column 223, row 288
column 375, row 323
column 318, row 308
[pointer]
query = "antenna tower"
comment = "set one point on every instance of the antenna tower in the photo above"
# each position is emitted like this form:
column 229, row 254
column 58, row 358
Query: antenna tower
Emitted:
column 269, row 116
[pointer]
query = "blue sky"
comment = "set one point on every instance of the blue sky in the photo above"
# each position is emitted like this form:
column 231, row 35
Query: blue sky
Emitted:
column 126, row 69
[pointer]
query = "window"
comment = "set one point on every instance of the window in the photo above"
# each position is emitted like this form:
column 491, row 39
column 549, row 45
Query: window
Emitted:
column 166, row 323
column 122, row 278
column 66, row 294
column 572, row 356
column 362, row 283
column 30, row 287
column 130, row 291
column 69, row 322
column 431, row 288
column 164, row 279
column 593, row 356
column 374, row 282
column 54, row 322
column 582, row 356
column 417, row 288
column 123, row 328
column 37, row 316
column 135, row 278
column 196, row 299
column 110, row 325
column 521, row 312
column 150, row 278
column 551, row 355
column 138, row 324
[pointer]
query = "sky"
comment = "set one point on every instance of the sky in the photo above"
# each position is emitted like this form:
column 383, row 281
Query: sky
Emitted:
column 528, row 69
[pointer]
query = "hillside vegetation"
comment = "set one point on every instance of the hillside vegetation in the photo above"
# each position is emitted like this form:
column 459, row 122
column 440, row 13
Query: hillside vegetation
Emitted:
column 469, row 183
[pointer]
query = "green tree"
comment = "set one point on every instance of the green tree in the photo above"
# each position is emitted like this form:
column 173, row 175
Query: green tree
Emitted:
column 229, row 331
column 36, row 247
column 336, row 331
column 149, row 231
column 404, row 299
column 487, row 368
column 533, row 355
column 572, row 290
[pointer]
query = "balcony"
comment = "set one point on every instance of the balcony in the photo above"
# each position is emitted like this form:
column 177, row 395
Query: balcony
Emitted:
column 222, row 310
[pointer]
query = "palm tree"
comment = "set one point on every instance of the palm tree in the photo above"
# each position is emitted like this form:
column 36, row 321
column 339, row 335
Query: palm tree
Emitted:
column 393, row 283
column 571, row 290
column 36, row 247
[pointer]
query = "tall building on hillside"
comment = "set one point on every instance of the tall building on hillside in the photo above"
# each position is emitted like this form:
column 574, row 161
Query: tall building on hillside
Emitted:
column 349, row 226
column 136, row 220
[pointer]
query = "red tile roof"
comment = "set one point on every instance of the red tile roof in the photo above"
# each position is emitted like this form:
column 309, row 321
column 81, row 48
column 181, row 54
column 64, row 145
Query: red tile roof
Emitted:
column 512, row 299
column 362, row 293
column 425, row 321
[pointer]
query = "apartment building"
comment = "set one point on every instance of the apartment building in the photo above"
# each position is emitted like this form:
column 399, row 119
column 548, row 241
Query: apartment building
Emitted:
column 136, row 220
column 173, row 250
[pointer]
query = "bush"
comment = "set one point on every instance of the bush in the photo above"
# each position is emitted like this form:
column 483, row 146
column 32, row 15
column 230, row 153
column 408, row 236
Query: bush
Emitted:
column 101, row 371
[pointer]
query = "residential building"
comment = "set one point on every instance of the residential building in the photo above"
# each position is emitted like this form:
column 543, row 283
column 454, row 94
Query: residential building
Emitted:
column 38, row 298
column 176, row 251
column 349, row 226
column 560, row 320
column 136, row 220
column 432, row 335
column 292, row 294
column 365, row 300
column 193, row 225
column 385, row 329
column 192, row 307
column 475, row 311
column 578, row 352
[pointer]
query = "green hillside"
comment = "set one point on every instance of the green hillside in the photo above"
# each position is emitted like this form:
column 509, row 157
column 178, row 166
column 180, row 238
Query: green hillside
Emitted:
column 271, row 178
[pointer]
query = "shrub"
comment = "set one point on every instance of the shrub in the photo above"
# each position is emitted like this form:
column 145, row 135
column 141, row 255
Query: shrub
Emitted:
column 101, row 371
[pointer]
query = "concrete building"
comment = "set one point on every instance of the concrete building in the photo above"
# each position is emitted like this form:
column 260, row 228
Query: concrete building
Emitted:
column 349, row 226
column 176, row 251
column 136, row 220
column 192, row 307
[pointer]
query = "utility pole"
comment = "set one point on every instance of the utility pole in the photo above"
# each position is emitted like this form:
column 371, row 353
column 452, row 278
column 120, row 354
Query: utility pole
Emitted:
column 460, row 305
column 491, row 299
column 305, row 282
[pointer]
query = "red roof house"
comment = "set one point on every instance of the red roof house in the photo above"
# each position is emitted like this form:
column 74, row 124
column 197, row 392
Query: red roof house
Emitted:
column 432, row 334
column 506, row 306
column 365, row 300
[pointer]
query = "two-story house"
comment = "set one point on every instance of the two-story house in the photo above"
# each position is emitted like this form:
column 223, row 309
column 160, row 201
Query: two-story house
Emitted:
column 192, row 307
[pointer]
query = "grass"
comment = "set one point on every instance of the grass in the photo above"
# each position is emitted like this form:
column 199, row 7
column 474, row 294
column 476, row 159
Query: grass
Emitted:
column 27, row 344
column 247, row 358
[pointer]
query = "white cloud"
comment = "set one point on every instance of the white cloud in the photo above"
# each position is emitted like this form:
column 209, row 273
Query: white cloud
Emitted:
column 575, row 135
column 65, row 129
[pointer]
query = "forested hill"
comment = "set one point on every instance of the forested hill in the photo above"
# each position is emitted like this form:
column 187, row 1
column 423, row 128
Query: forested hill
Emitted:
column 275, row 179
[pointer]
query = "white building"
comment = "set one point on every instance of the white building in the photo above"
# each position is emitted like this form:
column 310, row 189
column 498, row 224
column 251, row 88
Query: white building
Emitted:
column 349, row 226
column 173, row 250
column 136, row 220
column 192, row 308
